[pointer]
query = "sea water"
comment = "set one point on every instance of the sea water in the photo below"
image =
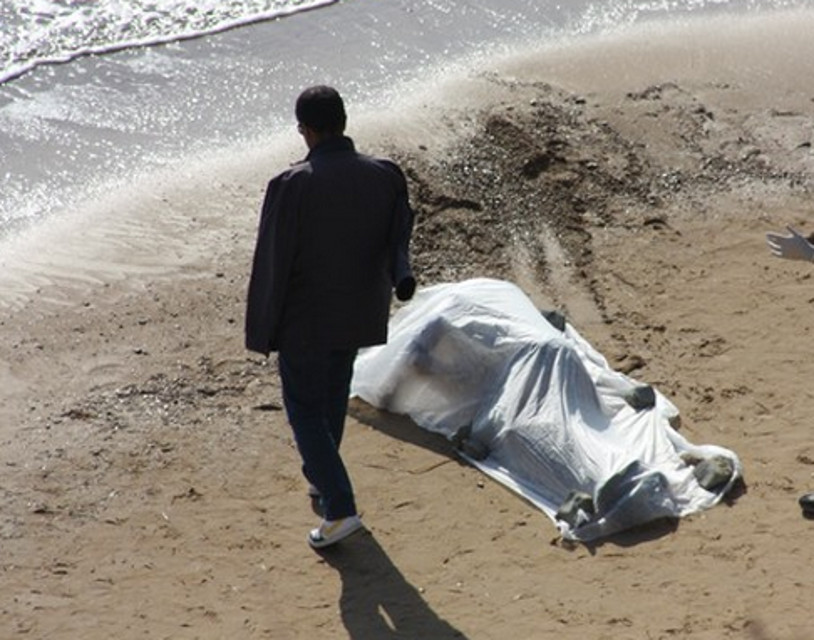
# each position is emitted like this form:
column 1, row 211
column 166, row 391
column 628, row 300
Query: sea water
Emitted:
column 92, row 91
column 37, row 32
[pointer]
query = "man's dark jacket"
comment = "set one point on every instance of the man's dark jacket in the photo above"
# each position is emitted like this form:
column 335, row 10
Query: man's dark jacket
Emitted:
column 332, row 243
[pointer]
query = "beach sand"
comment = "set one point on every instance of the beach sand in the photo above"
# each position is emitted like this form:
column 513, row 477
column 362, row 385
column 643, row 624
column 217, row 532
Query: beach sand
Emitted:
column 150, row 486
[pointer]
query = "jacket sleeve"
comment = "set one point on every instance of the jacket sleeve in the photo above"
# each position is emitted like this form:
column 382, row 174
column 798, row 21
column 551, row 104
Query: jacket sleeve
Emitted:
column 271, row 267
column 401, row 231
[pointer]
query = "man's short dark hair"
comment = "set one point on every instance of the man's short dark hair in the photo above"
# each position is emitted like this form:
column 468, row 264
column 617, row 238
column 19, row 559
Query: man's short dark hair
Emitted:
column 321, row 108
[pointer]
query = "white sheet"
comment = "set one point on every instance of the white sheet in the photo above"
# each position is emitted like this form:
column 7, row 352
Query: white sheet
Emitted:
column 477, row 358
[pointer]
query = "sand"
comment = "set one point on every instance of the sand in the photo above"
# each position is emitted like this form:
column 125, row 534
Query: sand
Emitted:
column 150, row 486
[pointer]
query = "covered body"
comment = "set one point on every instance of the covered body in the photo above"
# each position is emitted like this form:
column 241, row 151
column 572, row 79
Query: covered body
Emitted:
column 533, row 405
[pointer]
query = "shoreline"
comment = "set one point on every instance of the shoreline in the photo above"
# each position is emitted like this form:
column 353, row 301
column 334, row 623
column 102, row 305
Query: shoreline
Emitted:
column 150, row 483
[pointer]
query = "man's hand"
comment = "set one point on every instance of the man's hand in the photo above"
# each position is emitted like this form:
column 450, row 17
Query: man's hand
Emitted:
column 791, row 247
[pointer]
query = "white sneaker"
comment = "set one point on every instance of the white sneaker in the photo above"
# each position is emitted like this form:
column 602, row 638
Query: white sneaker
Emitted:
column 332, row 531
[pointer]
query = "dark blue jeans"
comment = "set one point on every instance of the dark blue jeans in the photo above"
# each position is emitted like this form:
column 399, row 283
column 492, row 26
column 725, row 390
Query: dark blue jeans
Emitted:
column 316, row 386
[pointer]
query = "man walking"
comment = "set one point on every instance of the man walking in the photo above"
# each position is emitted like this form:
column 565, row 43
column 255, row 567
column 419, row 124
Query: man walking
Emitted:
column 331, row 245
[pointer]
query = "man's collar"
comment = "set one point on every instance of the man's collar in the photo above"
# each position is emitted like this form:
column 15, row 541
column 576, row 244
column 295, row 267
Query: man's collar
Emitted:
column 329, row 145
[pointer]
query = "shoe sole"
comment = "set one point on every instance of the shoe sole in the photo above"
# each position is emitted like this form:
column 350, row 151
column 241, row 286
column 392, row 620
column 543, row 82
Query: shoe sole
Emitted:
column 807, row 504
column 321, row 543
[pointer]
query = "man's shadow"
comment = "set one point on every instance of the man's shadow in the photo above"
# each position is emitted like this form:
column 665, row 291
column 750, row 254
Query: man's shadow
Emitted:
column 377, row 601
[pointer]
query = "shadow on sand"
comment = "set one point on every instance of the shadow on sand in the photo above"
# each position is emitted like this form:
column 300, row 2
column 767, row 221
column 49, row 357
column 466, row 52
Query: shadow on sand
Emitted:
column 401, row 428
column 377, row 601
